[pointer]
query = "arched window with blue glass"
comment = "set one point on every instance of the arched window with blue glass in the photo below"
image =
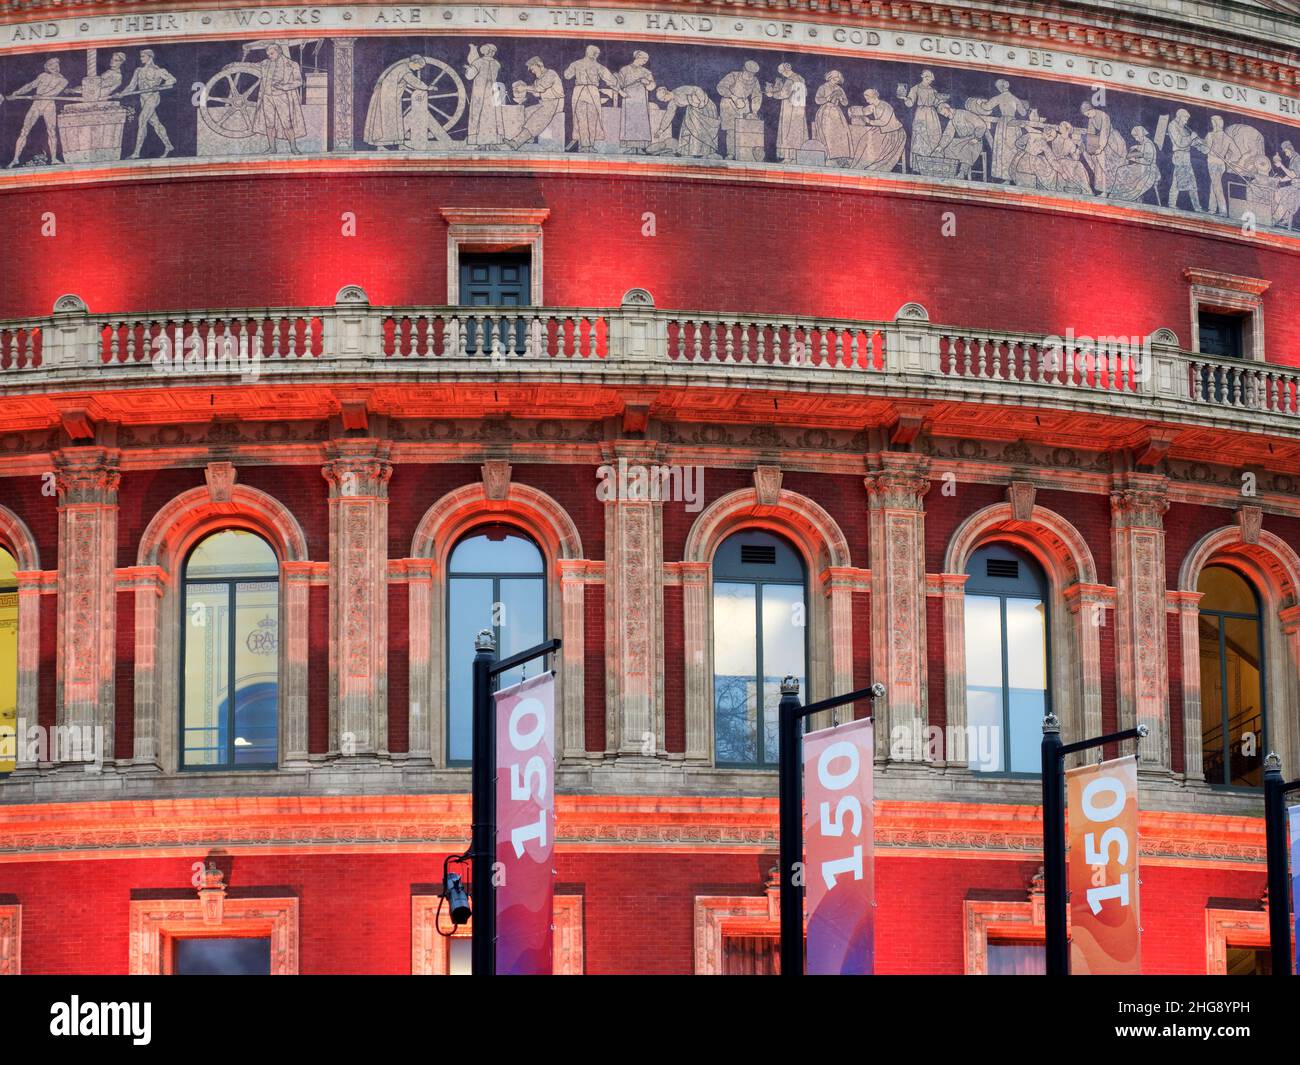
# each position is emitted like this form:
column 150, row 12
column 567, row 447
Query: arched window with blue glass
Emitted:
column 759, row 637
column 230, row 653
column 496, row 579
column 1007, row 671
column 1234, row 725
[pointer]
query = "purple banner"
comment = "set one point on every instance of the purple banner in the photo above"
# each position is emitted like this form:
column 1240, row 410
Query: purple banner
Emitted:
column 525, row 826
column 838, row 860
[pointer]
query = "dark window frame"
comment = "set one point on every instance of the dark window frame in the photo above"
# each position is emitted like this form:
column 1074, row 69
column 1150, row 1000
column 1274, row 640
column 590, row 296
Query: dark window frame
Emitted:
column 1039, row 589
column 229, row 765
column 741, row 574
column 496, row 578
column 1258, row 618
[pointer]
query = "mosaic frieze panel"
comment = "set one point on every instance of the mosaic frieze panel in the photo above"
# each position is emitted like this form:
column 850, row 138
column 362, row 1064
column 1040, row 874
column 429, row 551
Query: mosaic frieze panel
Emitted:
column 305, row 90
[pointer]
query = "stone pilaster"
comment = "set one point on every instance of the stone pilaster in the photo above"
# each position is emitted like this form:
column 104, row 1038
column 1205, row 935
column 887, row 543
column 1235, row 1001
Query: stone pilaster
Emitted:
column 424, row 741
column 1189, row 628
column 296, row 589
column 1138, row 504
column 574, row 574
column 358, row 471
column 87, row 481
column 953, row 592
column 699, row 672
column 633, row 611
column 1087, row 604
column 30, row 590
column 896, row 486
column 151, row 692
column 839, row 584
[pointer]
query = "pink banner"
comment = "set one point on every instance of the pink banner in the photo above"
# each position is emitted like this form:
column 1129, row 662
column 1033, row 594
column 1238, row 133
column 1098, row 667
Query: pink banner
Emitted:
column 1102, row 809
column 838, row 861
column 525, row 826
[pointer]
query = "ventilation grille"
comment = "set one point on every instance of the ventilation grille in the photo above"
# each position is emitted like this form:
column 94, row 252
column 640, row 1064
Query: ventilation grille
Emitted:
column 1002, row 567
column 758, row 554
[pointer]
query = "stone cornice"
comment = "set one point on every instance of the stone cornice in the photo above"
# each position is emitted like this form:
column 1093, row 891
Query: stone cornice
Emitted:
column 267, row 824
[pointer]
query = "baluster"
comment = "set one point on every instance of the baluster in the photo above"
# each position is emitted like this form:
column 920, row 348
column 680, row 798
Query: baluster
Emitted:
column 594, row 350
column 823, row 352
column 681, row 339
column 744, row 340
column 728, row 341
column 697, row 331
column 855, row 349
column 760, row 342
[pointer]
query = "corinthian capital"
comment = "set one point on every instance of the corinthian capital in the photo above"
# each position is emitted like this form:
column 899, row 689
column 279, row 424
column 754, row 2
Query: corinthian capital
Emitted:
column 86, row 475
column 1139, row 501
column 357, row 468
column 899, row 482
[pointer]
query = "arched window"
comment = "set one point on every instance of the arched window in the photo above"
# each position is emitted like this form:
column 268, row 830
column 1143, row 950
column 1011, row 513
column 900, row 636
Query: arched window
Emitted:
column 1233, row 720
column 230, row 676
column 8, row 661
column 1006, row 660
column 759, row 637
column 495, row 580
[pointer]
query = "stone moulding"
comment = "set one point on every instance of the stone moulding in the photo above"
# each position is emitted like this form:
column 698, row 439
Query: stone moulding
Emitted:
column 419, row 824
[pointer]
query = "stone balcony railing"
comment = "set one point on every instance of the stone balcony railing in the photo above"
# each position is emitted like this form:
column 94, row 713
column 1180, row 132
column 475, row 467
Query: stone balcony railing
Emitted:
column 909, row 356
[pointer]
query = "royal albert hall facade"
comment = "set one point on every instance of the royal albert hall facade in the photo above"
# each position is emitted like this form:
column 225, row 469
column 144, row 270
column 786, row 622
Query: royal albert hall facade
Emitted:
column 960, row 342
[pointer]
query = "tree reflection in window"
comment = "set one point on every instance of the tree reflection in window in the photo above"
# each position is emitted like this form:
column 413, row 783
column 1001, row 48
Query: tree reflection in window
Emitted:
column 230, row 653
column 759, row 637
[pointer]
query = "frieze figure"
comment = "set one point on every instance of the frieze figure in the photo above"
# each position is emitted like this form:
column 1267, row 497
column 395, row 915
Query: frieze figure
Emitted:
column 636, row 83
column 830, row 127
column 549, row 91
column 149, row 80
column 279, row 104
column 45, row 89
column 1181, row 140
column 588, row 75
column 486, row 98
column 792, row 122
column 962, row 139
column 924, row 100
column 698, row 137
column 1139, row 173
column 741, row 97
column 1003, row 110
column 1103, row 146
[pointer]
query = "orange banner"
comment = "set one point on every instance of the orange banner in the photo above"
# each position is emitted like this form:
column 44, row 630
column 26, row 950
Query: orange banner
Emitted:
column 1102, row 811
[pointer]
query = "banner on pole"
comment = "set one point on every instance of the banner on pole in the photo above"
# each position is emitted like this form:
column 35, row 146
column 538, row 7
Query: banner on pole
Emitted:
column 1103, row 876
column 525, row 719
column 838, row 863
column 1295, row 885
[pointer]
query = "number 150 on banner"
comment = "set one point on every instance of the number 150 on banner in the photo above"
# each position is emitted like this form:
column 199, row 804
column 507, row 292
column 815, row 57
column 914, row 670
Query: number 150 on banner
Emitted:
column 838, row 862
column 1103, row 877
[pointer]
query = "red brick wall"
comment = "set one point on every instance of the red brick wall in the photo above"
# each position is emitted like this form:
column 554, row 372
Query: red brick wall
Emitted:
column 862, row 677
column 318, row 672
column 1120, row 278
column 593, row 701
column 124, row 678
column 638, row 907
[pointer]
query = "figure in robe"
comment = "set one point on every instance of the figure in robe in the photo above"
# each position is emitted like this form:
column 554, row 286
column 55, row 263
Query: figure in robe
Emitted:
column 830, row 127
column 1287, row 198
column 1032, row 165
column 1065, row 155
column 926, row 125
column 637, row 83
column 882, row 145
column 1182, row 140
column 1004, row 109
column 962, row 138
column 485, row 97
column 549, row 91
column 386, row 125
column 1103, row 146
column 792, row 124
column 588, row 75
column 698, row 138
column 279, row 105
column 742, row 96
column 1134, row 178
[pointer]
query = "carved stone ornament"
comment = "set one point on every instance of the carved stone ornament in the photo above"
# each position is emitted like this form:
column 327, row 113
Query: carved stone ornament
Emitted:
column 496, row 479
column 767, row 484
column 352, row 294
column 1020, row 494
column 221, row 478
column 212, row 895
column 1251, row 520
column 638, row 297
